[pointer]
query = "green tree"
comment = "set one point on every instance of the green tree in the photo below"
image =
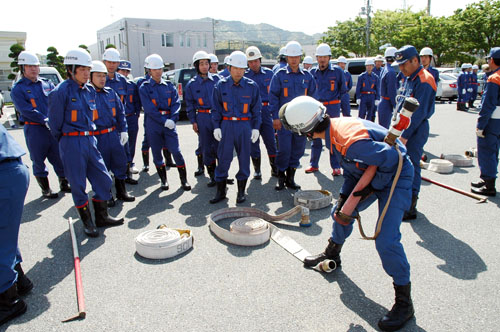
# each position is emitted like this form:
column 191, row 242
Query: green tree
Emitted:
column 55, row 60
column 85, row 47
column 110, row 46
column 347, row 37
column 15, row 49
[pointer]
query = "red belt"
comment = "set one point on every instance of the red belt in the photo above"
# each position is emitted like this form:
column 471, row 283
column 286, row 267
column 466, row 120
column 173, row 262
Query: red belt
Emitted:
column 32, row 123
column 475, row 83
column 130, row 114
column 386, row 98
column 90, row 133
column 368, row 93
column 265, row 103
column 235, row 118
column 204, row 111
column 331, row 102
column 164, row 112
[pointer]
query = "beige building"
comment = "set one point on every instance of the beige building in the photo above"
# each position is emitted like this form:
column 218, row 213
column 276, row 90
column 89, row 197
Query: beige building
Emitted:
column 7, row 39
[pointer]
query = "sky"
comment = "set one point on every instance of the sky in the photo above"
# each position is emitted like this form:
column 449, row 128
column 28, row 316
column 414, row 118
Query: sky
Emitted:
column 65, row 24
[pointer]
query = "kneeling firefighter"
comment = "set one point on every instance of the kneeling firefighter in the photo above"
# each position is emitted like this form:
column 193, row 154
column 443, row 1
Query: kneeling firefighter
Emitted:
column 359, row 145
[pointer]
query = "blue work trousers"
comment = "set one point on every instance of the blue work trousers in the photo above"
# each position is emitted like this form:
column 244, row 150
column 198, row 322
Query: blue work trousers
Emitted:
column 42, row 145
column 113, row 154
column 207, row 142
column 267, row 134
column 385, row 113
column 133, row 130
column 317, row 144
column 487, row 150
column 291, row 149
column 367, row 107
column 415, row 149
column 159, row 137
column 235, row 136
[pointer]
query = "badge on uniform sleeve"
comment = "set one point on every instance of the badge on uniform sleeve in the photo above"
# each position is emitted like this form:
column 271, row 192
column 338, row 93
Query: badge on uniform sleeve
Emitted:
column 73, row 99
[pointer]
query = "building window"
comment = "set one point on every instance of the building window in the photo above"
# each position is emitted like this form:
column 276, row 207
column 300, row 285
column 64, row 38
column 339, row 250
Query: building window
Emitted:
column 205, row 40
column 114, row 40
column 188, row 41
column 143, row 40
column 181, row 40
column 167, row 39
column 163, row 39
column 120, row 40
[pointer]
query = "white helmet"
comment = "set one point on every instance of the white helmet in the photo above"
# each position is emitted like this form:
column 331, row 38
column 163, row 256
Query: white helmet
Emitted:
column 379, row 57
column 390, row 52
column 282, row 51
column 369, row 62
column 213, row 58
column 79, row 57
column 426, row 51
column 28, row 58
column 238, row 59
column 468, row 65
column 342, row 59
column 308, row 60
column 323, row 49
column 302, row 114
column 111, row 54
column 253, row 53
column 293, row 48
column 98, row 67
column 226, row 60
column 200, row 55
column 154, row 61
column 474, row 67
column 464, row 66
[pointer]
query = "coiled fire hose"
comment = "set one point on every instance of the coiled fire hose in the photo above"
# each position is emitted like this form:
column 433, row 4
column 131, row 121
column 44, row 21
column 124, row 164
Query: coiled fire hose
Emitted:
column 255, row 227
column 163, row 242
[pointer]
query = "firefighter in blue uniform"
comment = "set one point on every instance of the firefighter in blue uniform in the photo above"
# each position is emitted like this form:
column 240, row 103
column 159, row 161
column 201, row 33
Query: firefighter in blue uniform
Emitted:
column 367, row 92
column 358, row 144
column 225, row 71
column 214, row 63
column 236, row 118
column 379, row 65
column 145, row 143
column 281, row 60
column 71, row 110
column 420, row 84
column 330, row 81
column 488, row 129
column 287, row 83
column 14, row 181
column 462, row 87
column 474, row 85
column 388, row 90
column 426, row 57
column 109, row 119
column 262, row 76
column 161, row 104
column 198, row 95
column 132, row 114
column 345, row 100
column 30, row 96
column 117, row 82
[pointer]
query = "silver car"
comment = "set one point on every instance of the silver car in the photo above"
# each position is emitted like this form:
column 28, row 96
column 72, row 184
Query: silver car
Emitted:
column 449, row 86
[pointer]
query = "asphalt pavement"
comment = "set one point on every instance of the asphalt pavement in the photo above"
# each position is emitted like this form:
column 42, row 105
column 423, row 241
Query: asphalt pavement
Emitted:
column 452, row 248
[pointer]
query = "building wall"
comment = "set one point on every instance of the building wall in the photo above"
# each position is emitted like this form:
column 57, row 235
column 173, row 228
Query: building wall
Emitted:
column 174, row 40
column 7, row 39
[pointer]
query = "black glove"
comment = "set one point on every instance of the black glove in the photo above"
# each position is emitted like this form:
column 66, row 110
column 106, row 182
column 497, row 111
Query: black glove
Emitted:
column 365, row 192
column 340, row 202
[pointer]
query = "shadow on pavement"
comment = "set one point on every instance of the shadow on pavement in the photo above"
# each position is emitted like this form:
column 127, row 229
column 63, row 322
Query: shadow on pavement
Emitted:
column 31, row 211
column 148, row 261
column 461, row 261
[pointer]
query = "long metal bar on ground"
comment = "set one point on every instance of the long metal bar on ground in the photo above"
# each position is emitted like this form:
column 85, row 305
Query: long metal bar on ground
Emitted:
column 78, row 275
column 480, row 198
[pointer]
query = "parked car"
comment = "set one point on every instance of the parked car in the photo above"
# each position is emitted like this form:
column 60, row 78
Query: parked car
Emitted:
column 449, row 86
column 180, row 77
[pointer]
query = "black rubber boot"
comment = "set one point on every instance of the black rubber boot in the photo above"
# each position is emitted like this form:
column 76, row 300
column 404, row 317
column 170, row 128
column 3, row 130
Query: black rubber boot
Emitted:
column 240, row 198
column 200, row 169
column 471, row 104
column 459, row 108
column 488, row 189
column 121, row 191
column 145, row 161
column 256, row 166
column 281, row 180
column 168, row 158
column 88, row 224
column 274, row 169
column 162, row 173
column 24, row 285
column 64, row 185
column 412, row 212
column 43, row 182
column 101, row 215
column 11, row 305
column 183, row 177
column 112, row 200
column 478, row 184
column 290, row 179
column 211, row 174
column 129, row 179
column 401, row 312
column 332, row 252
column 221, row 192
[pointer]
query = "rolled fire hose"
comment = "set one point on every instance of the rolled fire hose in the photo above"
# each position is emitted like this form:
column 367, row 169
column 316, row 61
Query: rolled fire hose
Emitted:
column 441, row 166
column 458, row 160
column 312, row 199
column 163, row 242
column 255, row 227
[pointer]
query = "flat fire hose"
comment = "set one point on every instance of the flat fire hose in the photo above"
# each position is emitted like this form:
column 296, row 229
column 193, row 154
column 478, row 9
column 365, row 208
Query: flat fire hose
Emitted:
column 255, row 227
column 313, row 199
column 163, row 242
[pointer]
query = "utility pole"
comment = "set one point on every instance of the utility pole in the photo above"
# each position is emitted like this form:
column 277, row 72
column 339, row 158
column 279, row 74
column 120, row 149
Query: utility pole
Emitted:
column 367, row 11
column 429, row 7
column 213, row 32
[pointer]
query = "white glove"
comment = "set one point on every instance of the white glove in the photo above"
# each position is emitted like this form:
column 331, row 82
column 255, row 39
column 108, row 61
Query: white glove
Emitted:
column 47, row 125
column 255, row 135
column 358, row 101
column 479, row 133
column 170, row 124
column 217, row 134
column 463, row 91
column 123, row 138
column 469, row 89
column 377, row 102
